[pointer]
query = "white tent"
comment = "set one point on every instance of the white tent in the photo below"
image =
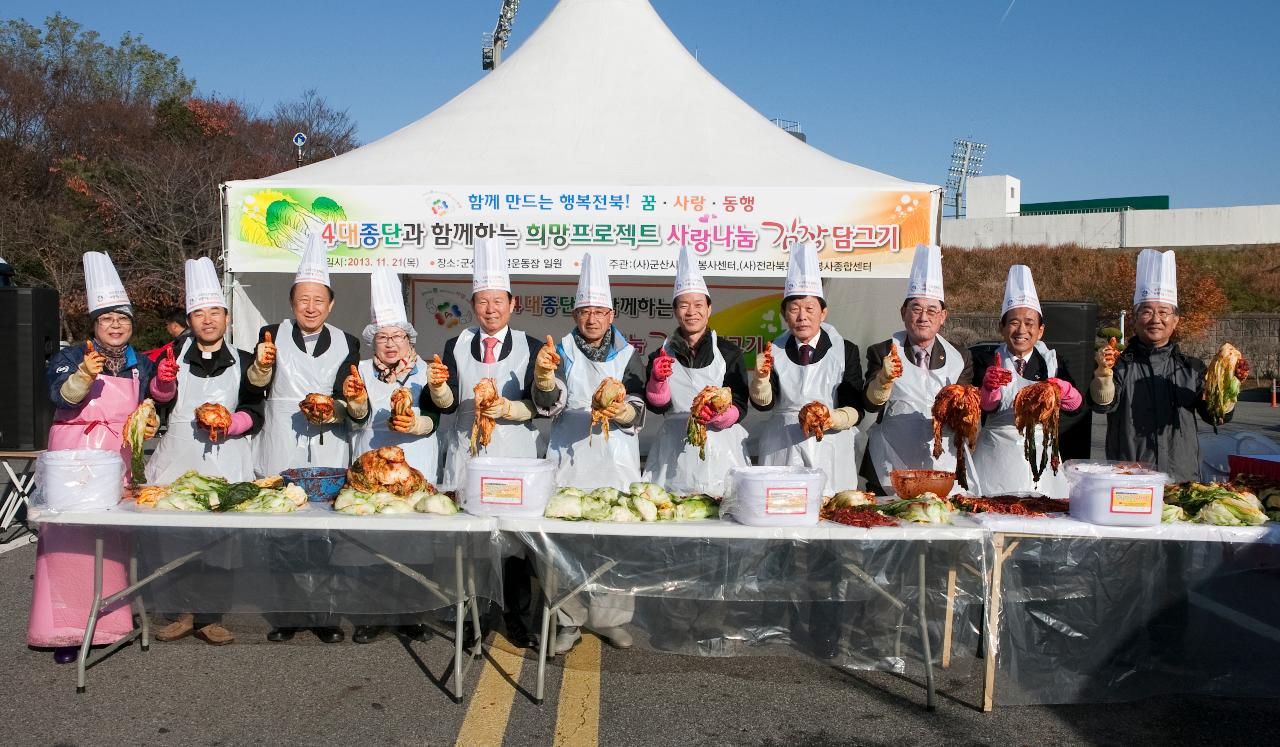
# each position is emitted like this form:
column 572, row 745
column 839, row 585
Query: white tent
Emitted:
column 601, row 94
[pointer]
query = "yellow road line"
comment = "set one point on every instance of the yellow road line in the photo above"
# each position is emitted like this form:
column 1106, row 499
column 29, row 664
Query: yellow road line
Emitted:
column 486, row 720
column 578, row 715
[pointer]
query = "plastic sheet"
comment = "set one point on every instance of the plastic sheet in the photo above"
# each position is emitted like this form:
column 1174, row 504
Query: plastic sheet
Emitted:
column 718, row 588
column 1097, row 614
column 310, row 567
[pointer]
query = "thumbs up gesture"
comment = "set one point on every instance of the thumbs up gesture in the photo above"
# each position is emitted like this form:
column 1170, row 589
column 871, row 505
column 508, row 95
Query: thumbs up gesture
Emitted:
column 662, row 365
column 167, row 371
column 265, row 353
column 438, row 372
column 996, row 377
column 764, row 362
column 353, row 387
column 545, row 365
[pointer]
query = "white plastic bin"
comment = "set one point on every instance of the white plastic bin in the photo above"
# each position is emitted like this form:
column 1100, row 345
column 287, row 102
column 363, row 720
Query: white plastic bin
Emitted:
column 511, row 486
column 774, row 496
column 1115, row 494
column 79, row 480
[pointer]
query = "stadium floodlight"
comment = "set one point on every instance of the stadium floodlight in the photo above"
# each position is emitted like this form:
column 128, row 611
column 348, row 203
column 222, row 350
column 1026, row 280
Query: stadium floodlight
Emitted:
column 966, row 161
column 491, row 55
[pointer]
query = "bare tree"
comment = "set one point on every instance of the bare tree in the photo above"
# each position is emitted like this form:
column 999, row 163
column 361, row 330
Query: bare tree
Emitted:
column 329, row 131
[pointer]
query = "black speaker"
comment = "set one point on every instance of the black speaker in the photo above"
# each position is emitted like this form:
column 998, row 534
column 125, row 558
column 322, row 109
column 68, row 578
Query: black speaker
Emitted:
column 1069, row 321
column 1070, row 328
column 29, row 337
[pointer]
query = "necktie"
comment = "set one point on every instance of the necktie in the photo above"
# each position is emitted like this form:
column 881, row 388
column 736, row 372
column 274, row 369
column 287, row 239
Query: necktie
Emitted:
column 489, row 344
column 1018, row 363
column 922, row 358
column 806, row 355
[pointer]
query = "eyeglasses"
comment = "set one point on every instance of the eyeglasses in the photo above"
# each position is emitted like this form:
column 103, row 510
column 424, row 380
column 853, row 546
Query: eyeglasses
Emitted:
column 115, row 321
column 1146, row 315
column 932, row 312
column 384, row 339
column 593, row 313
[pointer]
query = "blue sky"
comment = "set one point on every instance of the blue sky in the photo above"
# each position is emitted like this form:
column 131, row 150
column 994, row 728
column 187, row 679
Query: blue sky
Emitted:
column 1078, row 98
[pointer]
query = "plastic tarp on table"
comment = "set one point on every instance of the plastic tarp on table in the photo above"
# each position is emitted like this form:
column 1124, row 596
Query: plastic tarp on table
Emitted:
column 310, row 567
column 1096, row 614
column 718, row 588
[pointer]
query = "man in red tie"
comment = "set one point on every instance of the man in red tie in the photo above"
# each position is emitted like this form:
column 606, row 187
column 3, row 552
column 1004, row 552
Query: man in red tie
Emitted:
column 489, row 350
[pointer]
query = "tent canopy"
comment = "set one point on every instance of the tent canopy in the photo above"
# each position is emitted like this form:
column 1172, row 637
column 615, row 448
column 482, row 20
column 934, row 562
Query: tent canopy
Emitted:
column 601, row 93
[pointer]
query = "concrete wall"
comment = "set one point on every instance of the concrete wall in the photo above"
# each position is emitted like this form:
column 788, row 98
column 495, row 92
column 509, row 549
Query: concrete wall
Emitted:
column 1250, row 224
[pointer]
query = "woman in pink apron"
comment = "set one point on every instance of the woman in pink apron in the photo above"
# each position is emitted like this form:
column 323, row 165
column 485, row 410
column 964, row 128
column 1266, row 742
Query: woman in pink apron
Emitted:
column 95, row 386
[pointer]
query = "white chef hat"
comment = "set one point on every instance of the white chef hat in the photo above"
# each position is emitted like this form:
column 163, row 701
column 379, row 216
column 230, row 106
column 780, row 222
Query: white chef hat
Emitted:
column 1020, row 291
column 1157, row 278
column 386, row 305
column 804, row 277
column 489, row 268
column 688, row 279
column 593, row 284
column 103, row 290
column 203, row 289
column 925, row 280
column 313, row 267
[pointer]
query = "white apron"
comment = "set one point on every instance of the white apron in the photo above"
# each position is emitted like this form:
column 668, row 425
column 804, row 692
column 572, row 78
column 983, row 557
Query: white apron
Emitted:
column 186, row 445
column 903, row 439
column 509, row 439
column 420, row 451
column 999, row 462
column 288, row 439
column 783, row 443
column 673, row 463
column 584, row 461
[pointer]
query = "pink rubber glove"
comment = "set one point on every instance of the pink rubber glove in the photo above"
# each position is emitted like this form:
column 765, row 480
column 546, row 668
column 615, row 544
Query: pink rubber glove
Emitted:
column 163, row 391
column 1071, row 398
column 241, row 422
column 657, row 391
column 724, row 419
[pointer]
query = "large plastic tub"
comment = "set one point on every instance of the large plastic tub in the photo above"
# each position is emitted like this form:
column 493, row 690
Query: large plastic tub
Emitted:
column 508, row 486
column 79, row 479
column 1119, row 494
column 774, row 496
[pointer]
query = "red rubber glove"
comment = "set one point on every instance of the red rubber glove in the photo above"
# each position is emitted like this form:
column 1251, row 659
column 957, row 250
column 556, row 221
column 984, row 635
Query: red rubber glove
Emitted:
column 167, row 370
column 995, row 379
column 662, row 365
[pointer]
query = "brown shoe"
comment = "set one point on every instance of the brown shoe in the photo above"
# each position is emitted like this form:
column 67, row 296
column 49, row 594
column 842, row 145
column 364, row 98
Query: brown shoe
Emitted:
column 215, row 635
column 177, row 629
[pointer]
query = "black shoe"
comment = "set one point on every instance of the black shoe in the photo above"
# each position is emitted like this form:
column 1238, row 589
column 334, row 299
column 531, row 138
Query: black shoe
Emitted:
column 280, row 635
column 826, row 648
column 519, row 634
column 362, row 634
column 66, row 654
column 469, row 635
column 328, row 635
column 413, row 632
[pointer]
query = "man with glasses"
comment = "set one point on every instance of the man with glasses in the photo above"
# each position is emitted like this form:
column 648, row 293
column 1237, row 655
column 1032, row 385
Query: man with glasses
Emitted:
column 489, row 350
column 592, row 351
column 906, row 372
column 1152, row 392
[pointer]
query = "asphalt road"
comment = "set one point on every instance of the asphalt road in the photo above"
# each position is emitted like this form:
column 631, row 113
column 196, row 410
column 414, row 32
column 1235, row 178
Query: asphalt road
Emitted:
column 305, row 692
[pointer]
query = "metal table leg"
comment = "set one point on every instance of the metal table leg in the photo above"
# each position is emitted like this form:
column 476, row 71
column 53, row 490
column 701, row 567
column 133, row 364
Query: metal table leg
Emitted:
column 19, row 492
column 993, row 619
column 547, row 626
column 924, row 635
